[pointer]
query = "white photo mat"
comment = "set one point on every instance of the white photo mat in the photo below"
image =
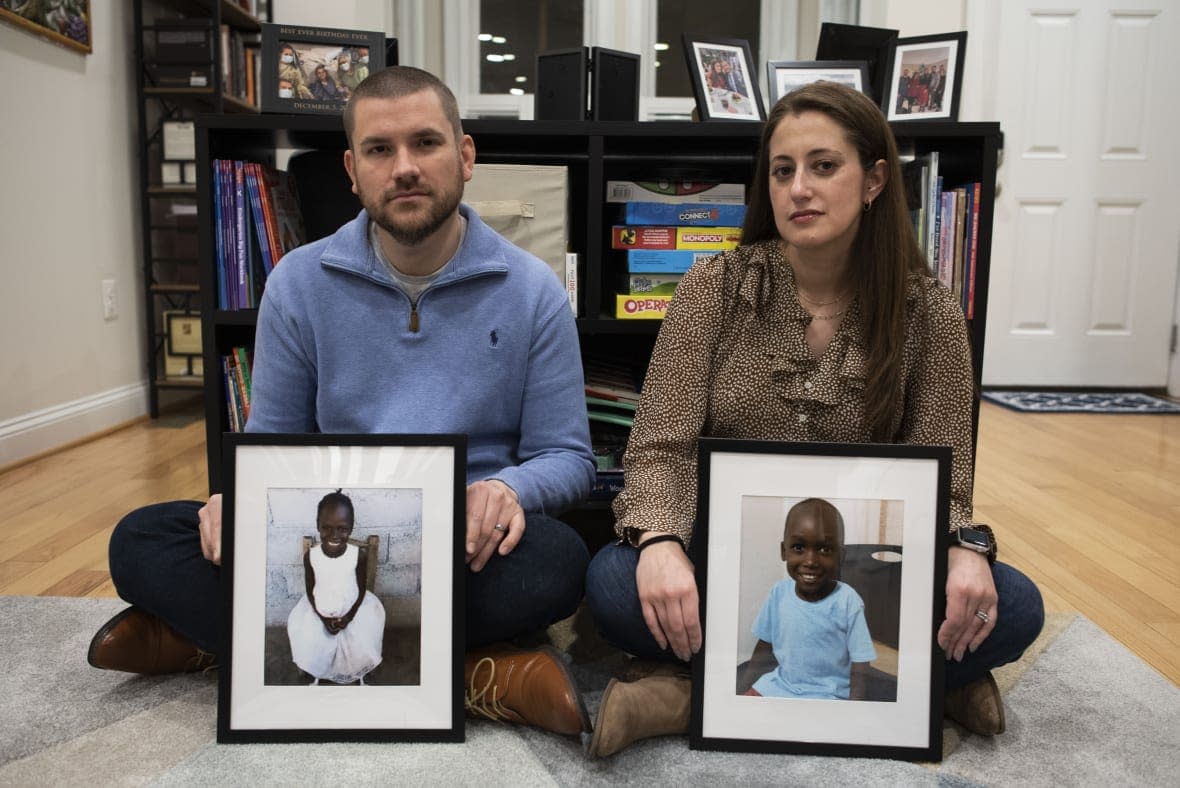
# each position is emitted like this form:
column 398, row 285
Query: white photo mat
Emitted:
column 904, row 723
column 257, row 706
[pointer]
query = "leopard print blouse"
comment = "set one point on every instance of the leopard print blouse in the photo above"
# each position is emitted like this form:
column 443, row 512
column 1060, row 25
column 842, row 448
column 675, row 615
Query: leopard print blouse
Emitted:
column 732, row 361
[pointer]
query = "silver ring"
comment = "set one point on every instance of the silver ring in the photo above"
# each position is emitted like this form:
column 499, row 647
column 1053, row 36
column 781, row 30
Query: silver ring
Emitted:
column 501, row 528
column 982, row 616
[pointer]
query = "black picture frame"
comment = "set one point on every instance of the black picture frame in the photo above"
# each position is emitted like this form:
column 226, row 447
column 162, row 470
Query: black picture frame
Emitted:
column 783, row 76
column 408, row 497
column 182, row 331
column 839, row 41
column 313, row 47
column 725, row 60
column 895, row 504
column 944, row 52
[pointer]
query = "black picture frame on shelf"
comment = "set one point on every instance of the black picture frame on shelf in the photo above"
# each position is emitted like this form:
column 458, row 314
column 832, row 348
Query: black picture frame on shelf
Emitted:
column 724, row 80
column 910, row 97
column 406, row 493
column 293, row 87
column 893, row 501
column 182, row 328
column 783, row 76
column 839, row 41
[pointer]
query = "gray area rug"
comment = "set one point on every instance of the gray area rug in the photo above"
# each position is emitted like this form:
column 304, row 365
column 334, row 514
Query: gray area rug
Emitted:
column 1082, row 710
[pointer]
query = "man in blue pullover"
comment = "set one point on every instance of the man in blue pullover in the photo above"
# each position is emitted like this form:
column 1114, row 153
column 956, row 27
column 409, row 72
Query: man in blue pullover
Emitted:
column 413, row 317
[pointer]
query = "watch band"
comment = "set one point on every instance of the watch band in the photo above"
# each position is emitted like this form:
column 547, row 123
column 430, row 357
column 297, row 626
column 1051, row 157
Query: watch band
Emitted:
column 953, row 540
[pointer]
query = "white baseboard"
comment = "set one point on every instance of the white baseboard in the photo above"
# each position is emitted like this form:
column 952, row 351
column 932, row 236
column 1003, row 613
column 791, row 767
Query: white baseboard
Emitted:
column 42, row 430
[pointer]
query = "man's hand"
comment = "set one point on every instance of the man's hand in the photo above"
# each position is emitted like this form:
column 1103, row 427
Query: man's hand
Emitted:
column 970, row 590
column 495, row 521
column 668, row 597
column 209, row 516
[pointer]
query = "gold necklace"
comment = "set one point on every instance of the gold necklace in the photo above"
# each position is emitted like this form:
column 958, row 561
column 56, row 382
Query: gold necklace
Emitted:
column 832, row 316
column 835, row 300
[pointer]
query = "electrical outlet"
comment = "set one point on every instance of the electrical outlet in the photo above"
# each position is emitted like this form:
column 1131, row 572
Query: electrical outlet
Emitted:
column 110, row 300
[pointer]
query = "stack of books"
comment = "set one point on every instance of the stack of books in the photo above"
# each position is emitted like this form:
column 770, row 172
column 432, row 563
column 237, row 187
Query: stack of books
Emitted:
column 946, row 221
column 256, row 221
column 663, row 228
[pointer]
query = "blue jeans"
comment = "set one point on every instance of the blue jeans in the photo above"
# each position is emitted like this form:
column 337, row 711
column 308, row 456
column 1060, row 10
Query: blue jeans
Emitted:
column 614, row 602
column 156, row 564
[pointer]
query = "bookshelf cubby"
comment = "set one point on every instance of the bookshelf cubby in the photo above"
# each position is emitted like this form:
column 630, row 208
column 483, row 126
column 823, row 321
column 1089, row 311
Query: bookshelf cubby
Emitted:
column 168, row 211
column 593, row 152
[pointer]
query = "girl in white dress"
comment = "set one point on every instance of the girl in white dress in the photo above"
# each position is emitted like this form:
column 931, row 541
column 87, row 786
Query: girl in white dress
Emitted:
column 337, row 627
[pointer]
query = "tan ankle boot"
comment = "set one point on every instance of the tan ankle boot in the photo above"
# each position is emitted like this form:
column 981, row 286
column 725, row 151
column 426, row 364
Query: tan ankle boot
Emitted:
column 526, row 687
column 656, row 705
column 977, row 706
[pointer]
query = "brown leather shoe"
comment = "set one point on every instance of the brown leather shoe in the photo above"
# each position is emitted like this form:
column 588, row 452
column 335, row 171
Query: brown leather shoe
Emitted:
column 137, row 642
column 526, row 687
column 977, row 706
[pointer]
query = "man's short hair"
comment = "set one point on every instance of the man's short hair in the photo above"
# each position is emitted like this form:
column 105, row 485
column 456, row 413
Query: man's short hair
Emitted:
column 398, row 81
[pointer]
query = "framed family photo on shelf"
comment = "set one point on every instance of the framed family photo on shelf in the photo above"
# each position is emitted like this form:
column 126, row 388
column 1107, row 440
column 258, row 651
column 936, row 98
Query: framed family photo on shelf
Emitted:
column 342, row 572
column 723, row 78
column 925, row 76
column 783, row 76
column 840, row 547
column 313, row 70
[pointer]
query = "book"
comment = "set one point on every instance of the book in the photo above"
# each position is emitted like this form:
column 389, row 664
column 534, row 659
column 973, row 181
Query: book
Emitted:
column 973, row 248
column 244, row 364
column 571, row 280
column 240, row 239
column 959, row 234
column 255, row 188
column 288, row 216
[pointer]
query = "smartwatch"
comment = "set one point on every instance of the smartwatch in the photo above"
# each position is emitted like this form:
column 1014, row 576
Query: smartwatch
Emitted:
column 977, row 538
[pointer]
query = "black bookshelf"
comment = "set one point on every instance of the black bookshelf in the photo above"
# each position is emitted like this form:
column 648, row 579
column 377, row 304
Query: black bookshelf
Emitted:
column 593, row 152
column 169, row 257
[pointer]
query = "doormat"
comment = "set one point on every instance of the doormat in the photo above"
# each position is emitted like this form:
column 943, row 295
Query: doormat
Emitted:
column 1081, row 402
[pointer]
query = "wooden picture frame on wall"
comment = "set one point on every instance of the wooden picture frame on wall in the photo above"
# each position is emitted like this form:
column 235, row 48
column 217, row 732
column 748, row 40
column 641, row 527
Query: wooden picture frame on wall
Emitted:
column 66, row 23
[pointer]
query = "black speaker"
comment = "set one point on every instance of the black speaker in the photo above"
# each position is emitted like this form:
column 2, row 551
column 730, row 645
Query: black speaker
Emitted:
column 614, row 84
column 561, row 85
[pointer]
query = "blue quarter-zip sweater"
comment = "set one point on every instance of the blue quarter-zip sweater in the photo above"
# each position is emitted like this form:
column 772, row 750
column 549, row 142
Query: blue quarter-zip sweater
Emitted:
column 495, row 356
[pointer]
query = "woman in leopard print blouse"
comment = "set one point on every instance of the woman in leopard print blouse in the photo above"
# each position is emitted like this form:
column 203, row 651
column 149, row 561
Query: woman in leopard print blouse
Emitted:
column 822, row 326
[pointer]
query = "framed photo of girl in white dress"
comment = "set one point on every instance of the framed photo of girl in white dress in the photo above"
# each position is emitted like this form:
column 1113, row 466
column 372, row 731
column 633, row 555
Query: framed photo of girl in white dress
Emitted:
column 340, row 573
column 820, row 576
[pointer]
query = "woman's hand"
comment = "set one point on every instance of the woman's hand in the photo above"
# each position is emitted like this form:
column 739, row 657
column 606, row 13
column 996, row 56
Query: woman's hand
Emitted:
column 668, row 597
column 495, row 521
column 969, row 590
column 209, row 523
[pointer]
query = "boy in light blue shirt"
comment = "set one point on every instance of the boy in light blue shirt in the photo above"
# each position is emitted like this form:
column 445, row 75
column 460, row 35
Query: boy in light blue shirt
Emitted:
column 813, row 624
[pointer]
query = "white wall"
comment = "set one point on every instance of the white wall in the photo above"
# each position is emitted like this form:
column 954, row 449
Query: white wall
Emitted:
column 68, row 220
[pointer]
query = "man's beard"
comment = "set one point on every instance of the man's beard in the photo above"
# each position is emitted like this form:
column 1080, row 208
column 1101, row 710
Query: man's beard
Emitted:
column 412, row 231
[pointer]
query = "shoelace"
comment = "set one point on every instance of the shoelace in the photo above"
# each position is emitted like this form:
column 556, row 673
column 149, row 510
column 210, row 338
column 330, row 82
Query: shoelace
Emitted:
column 205, row 661
column 482, row 702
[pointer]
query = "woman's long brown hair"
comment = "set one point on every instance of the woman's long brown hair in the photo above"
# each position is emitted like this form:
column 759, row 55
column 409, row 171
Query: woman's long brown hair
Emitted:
column 885, row 251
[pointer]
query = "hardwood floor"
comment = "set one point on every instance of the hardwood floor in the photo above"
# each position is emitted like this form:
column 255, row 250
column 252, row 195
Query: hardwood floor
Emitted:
column 1088, row 506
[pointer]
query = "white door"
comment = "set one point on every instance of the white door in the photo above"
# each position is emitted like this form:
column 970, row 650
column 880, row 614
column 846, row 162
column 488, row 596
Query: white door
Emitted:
column 1087, row 224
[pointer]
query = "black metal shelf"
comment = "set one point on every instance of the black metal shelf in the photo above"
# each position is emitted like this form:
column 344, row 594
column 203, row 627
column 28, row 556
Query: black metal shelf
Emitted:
column 593, row 152
column 157, row 104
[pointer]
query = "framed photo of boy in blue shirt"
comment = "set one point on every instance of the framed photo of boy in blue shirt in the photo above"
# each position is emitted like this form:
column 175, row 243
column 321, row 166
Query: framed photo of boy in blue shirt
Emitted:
column 820, row 569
